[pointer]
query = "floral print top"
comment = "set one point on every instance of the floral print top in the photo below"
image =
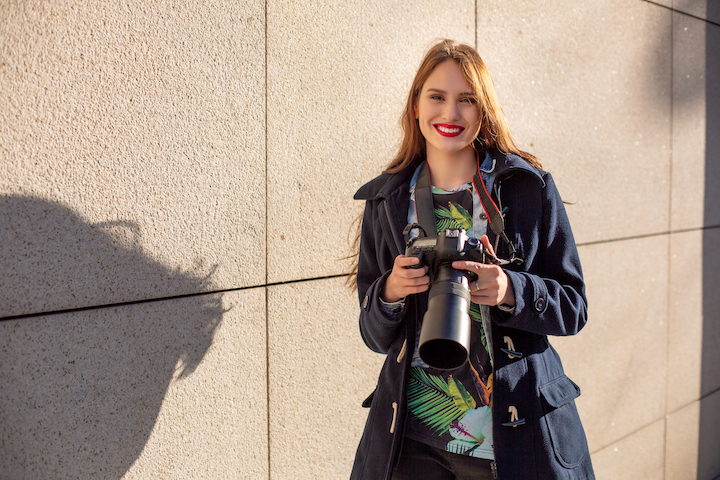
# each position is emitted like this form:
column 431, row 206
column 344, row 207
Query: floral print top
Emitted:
column 451, row 409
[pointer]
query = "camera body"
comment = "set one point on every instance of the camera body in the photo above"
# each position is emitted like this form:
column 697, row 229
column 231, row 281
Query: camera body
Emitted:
column 449, row 246
column 446, row 328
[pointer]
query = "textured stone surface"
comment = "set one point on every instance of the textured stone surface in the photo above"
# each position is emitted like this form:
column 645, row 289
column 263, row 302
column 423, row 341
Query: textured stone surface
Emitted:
column 171, row 389
column 639, row 456
column 709, row 441
column 705, row 9
column 694, row 328
column 586, row 87
column 712, row 112
column 619, row 358
column 710, row 372
column 666, row 3
column 685, row 329
column 320, row 372
column 338, row 78
column 145, row 118
column 682, row 443
column 696, row 121
column 689, row 122
column 693, row 440
column 134, row 165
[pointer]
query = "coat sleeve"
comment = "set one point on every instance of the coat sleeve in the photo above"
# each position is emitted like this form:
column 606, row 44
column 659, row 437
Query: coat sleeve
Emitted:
column 377, row 327
column 550, row 296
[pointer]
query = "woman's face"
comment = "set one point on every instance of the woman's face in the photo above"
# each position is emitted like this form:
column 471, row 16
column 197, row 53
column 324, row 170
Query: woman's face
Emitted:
column 446, row 110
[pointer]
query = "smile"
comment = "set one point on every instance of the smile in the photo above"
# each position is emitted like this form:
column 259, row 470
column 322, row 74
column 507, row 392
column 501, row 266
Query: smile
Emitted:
column 448, row 130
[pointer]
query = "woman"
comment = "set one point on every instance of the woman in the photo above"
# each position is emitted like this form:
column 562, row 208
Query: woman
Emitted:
column 509, row 411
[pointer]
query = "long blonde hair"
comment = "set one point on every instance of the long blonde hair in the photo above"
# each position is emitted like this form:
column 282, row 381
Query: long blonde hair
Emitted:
column 494, row 132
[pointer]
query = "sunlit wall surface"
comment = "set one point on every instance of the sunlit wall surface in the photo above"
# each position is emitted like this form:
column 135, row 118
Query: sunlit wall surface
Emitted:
column 176, row 185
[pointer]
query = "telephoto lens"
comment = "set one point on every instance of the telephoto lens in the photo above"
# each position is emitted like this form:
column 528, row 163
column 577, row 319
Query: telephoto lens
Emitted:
column 445, row 333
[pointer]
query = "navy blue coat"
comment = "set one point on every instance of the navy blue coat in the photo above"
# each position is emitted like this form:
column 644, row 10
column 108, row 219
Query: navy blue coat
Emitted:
column 548, row 440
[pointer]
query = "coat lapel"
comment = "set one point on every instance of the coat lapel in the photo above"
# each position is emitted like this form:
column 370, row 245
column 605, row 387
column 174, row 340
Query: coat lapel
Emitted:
column 393, row 218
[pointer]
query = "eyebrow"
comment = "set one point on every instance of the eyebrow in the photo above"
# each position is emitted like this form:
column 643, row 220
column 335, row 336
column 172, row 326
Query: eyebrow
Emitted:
column 437, row 90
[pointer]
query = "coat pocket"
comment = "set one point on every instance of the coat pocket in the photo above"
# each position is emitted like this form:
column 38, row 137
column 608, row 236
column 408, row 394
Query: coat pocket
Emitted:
column 563, row 422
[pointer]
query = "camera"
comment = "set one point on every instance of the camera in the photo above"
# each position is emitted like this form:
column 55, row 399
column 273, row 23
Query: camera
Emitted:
column 445, row 334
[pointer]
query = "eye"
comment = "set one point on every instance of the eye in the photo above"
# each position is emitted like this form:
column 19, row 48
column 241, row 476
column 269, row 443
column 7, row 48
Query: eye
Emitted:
column 436, row 96
column 469, row 100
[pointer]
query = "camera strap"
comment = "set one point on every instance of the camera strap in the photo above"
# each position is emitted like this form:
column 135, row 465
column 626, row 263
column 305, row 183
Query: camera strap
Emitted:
column 425, row 208
column 424, row 205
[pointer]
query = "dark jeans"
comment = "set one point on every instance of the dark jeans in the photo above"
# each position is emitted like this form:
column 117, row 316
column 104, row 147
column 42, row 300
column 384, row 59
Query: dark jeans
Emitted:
column 423, row 462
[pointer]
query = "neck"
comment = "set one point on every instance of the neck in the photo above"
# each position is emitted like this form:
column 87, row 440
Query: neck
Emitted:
column 449, row 170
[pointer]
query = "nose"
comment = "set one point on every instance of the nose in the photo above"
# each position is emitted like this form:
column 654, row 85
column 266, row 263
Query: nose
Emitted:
column 451, row 111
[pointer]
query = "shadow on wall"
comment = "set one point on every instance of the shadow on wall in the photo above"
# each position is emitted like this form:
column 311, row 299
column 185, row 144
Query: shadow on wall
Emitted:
column 709, row 435
column 81, row 391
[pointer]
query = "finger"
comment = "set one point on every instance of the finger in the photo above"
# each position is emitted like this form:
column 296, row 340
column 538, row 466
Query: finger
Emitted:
column 412, row 282
column 487, row 291
column 413, row 272
column 485, row 296
column 417, row 289
column 469, row 266
column 486, row 243
column 489, row 277
column 401, row 261
column 490, row 293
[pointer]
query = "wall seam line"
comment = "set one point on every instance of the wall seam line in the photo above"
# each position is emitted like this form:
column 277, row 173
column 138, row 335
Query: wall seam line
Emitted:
column 267, row 256
column 300, row 280
column 629, row 434
column 699, row 399
column 669, row 241
column 649, row 235
column 164, row 299
column 683, row 13
column 476, row 24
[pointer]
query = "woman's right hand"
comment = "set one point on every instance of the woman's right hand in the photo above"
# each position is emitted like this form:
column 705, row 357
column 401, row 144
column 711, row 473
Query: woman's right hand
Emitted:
column 404, row 281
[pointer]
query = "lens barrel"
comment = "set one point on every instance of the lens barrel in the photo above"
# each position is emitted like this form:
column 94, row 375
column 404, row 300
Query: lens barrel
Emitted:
column 445, row 333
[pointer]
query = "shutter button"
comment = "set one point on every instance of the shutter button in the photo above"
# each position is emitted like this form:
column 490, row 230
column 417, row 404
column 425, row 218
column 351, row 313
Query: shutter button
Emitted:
column 540, row 304
column 365, row 302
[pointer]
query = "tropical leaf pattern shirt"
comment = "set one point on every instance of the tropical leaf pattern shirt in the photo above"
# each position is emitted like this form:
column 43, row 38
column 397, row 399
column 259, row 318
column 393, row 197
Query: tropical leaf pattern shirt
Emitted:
column 451, row 409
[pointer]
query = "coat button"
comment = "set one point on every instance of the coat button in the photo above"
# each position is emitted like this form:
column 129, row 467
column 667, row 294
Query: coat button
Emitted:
column 540, row 304
column 515, row 420
column 365, row 302
column 510, row 350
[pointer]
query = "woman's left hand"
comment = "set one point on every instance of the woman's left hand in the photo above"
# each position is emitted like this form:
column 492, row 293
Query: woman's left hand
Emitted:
column 492, row 286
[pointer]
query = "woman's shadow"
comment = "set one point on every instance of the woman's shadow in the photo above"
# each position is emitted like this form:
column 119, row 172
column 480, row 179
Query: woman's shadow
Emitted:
column 81, row 389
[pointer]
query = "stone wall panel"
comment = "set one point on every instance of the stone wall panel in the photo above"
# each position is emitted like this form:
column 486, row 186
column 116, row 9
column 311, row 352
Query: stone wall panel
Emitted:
column 693, row 440
column 638, row 456
column 338, row 79
column 696, row 86
column 320, row 373
column 704, row 9
column 619, row 358
column 586, row 86
column 169, row 389
column 145, row 118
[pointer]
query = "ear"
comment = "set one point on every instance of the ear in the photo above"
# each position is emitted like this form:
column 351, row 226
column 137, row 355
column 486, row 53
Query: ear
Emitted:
column 416, row 113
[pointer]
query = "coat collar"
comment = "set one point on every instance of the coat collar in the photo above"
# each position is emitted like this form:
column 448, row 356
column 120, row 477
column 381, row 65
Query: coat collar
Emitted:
column 384, row 185
column 503, row 164
column 506, row 164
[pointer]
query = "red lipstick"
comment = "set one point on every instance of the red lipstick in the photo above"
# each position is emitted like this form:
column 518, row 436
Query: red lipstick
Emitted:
column 448, row 130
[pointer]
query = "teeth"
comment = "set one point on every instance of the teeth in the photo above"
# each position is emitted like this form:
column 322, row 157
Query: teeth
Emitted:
column 449, row 130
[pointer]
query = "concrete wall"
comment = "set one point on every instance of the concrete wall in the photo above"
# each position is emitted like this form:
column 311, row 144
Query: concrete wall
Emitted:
column 172, row 297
